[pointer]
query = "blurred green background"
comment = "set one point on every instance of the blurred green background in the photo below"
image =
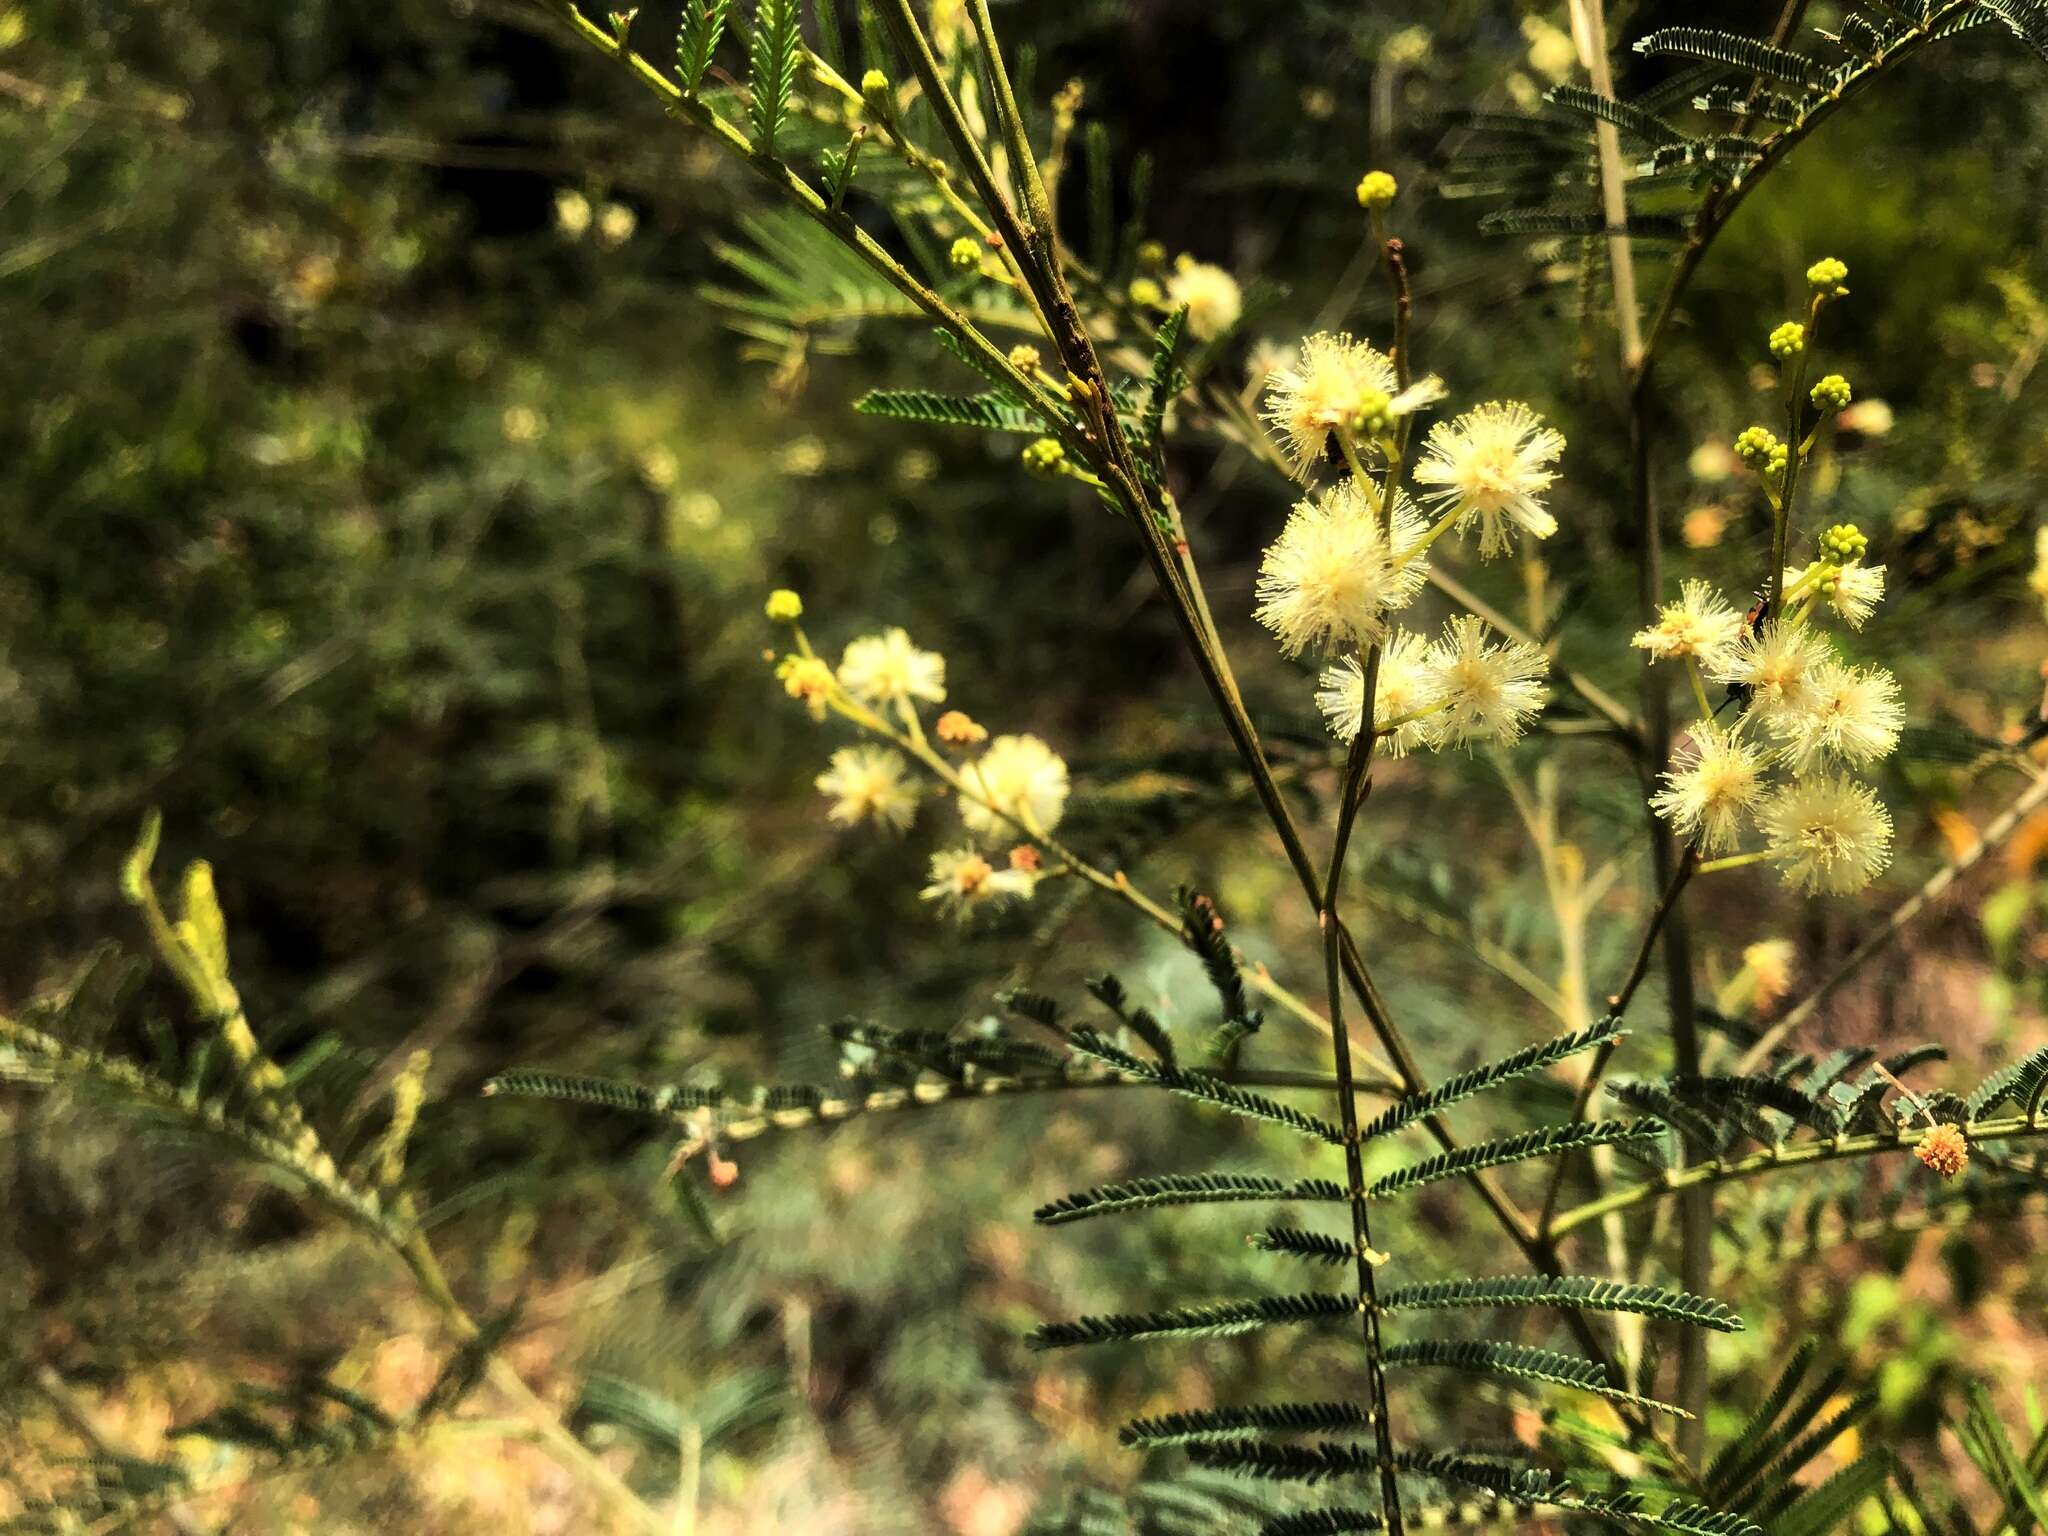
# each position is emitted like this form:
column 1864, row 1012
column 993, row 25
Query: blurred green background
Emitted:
column 387, row 496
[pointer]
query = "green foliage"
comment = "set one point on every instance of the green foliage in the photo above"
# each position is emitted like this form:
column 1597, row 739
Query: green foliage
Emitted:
column 1452, row 1090
column 1220, row 1320
column 1205, row 1088
column 699, row 26
column 1545, row 1141
column 774, row 49
column 1184, row 1189
column 1576, row 1291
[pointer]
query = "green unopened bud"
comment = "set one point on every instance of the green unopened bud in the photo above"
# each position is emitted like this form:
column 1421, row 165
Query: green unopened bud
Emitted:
column 965, row 254
column 1376, row 189
column 1788, row 340
column 1024, row 357
column 1830, row 394
column 1147, row 294
column 1373, row 415
column 875, row 91
column 1045, row 456
column 1755, row 445
column 1844, row 544
column 1151, row 254
column 1825, row 278
column 784, row 606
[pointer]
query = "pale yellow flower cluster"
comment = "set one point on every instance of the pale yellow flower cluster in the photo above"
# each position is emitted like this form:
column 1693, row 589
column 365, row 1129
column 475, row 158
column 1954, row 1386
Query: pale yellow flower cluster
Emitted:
column 1010, row 796
column 1350, row 558
column 1805, row 721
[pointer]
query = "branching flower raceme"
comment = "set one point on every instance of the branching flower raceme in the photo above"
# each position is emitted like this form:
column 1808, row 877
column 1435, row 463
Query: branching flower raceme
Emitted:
column 1800, row 708
column 1010, row 797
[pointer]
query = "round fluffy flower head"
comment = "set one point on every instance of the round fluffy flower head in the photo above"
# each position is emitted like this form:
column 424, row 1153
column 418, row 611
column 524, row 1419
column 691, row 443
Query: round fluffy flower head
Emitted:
column 1329, row 384
column 1023, row 779
column 1716, row 784
column 1827, row 834
column 961, row 880
column 1945, row 1150
column 1332, row 576
column 1376, row 189
column 964, row 254
column 1788, row 340
column 1701, row 623
column 1490, row 466
column 1213, row 299
column 869, row 783
column 1772, row 667
column 1408, row 685
column 1490, row 692
column 1825, row 277
column 2037, row 579
column 784, row 606
column 888, row 669
column 1831, row 394
column 806, row 678
column 1853, row 591
column 1850, row 713
column 874, row 90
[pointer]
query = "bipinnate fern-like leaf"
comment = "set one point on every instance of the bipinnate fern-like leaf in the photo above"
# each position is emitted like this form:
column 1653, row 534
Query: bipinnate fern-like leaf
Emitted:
column 1328, row 1459
column 1205, row 1088
column 1203, row 932
column 1480, row 1079
column 1733, row 51
column 1579, row 221
column 1631, row 120
column 1215, row 1423
column 605, row 1092
column 698, row 29
column 986, row 413
column 1545, row 1141
column 1139, row 1020
column 1322, row 1522
column 1167, row 379
column 1221, row 1319
column 1586, row 1293
column 2026, row 20
column 952, row 1056
column 1184, row 1189
column 773, row 49
column 1521, row 1361
column 1764, row 106
column 1719, row 1092
column 2018, row 1082
column 1316, row 1247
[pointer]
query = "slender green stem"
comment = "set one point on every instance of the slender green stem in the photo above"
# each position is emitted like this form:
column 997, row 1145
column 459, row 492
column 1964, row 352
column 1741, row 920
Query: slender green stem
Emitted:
column 1679, row 1181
